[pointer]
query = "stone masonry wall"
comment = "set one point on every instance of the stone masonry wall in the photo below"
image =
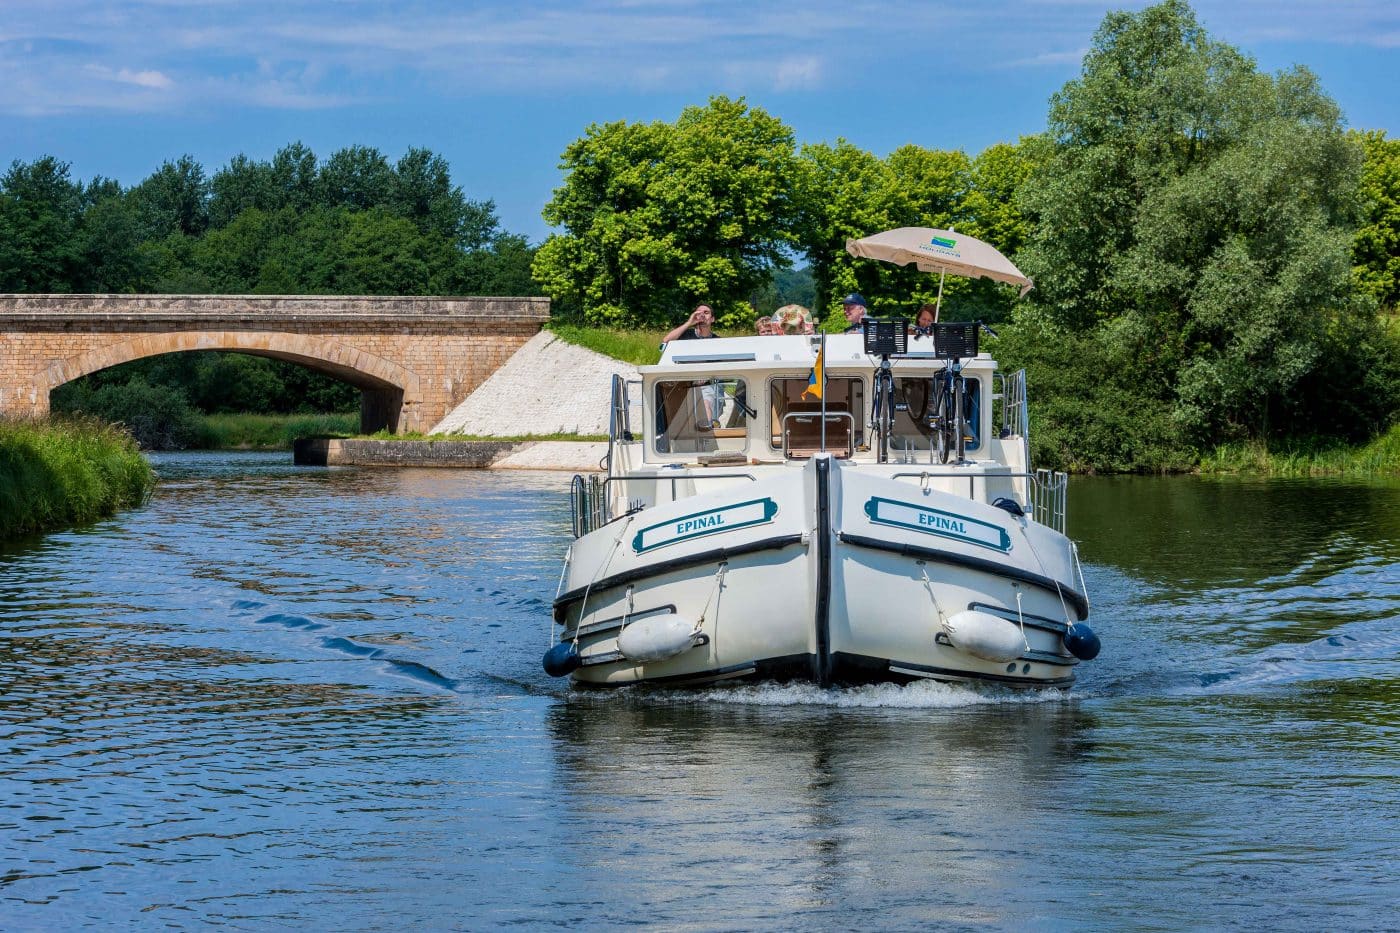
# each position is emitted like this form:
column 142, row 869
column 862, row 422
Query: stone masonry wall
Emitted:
column 415, row 358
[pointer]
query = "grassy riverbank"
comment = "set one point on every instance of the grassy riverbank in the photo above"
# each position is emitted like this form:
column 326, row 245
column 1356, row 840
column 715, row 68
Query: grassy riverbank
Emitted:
column 66, row 472
column 638, row 347
column 1379, row 457
column 270, row 432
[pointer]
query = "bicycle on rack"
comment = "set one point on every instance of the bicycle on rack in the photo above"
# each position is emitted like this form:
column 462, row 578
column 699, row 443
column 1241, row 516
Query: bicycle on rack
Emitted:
column 948, row 400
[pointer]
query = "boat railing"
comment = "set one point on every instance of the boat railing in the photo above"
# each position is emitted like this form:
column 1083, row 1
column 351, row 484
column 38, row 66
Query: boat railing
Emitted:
column 1009, row 389
column 1049, row 490
column 619, row 416
column 588, row 498
column 1049, row 493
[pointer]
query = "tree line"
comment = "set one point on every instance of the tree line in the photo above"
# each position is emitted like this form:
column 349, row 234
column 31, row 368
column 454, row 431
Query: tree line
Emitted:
column 1216, row 256
column 354, row 223
column 351, row 224
column 1214, row 252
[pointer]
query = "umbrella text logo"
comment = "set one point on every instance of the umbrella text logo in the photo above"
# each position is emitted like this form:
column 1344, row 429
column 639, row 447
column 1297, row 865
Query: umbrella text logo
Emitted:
column 944, row 242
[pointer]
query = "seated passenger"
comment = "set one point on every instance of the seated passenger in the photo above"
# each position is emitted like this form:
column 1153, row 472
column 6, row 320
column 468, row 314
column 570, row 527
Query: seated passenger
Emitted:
column 924, row 320
column 853, row 306
column 793, row 319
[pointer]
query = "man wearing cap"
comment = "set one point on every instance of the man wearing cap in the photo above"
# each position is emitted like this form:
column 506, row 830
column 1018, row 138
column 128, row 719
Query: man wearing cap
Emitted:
column 854, row 307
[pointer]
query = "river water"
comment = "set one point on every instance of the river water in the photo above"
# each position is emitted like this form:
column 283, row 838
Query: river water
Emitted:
column 282, row 697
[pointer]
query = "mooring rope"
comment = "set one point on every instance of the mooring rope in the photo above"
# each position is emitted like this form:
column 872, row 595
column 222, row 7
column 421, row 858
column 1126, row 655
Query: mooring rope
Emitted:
column 1020, row 615
column 718, row 585
column 1064, row 607
column 583, row 605
column 937, row 609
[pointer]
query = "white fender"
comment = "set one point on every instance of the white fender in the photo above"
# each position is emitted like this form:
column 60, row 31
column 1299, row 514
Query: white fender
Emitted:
column 985, row 636
column 655, row 638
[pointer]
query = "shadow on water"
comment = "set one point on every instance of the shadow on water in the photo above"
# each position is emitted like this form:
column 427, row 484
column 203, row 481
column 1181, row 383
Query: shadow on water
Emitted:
column 286, row 698
column 819, row 806
column 1230, row 584
column 1195, row 532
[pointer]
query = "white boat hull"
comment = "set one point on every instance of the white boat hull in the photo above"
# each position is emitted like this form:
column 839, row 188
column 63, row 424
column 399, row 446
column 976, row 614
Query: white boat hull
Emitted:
column 821, row 571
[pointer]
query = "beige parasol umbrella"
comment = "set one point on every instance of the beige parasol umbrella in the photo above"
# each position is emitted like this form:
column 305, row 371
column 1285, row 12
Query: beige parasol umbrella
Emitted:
column 941, row 251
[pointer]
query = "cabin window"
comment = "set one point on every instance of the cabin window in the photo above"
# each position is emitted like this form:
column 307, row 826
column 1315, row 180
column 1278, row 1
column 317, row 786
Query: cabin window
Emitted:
column 796, row 418
column 914, row 401
column 702, row 415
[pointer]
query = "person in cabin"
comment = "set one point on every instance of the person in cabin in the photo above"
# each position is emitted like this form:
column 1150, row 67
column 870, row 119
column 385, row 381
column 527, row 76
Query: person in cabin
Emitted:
column 699, row 326
column 924, row 320
column 763, row 326
column 853, row 306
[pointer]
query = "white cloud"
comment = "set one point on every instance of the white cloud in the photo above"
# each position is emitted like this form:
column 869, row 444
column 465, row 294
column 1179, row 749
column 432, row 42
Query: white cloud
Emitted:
column 151, row 79
column 327, row 53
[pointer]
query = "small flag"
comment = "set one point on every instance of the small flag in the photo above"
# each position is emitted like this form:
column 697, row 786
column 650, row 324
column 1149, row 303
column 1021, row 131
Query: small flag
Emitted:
column 816, row 380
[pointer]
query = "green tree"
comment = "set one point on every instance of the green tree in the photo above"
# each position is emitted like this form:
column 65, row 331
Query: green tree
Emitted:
column 503, row 269
column 1377, row 253
column 109, row 241
column 356, row 177
column 991, row 210
column 1200, row 215
column 40, row 219
column 847, row 193
column 423, row 193
column 173, row 199
column 242, row 185
column 658, row 216
column 839, row 186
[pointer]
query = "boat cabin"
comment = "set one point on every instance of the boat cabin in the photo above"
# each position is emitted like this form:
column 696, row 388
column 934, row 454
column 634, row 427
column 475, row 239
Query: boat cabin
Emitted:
column 753, row 400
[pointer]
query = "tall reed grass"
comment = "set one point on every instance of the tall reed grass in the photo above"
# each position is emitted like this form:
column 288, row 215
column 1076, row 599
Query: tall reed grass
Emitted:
column 67, row 471
column 1309, row 458
column 270, row 432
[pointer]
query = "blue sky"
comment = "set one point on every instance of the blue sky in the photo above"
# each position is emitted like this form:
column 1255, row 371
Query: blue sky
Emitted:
column 117, row 86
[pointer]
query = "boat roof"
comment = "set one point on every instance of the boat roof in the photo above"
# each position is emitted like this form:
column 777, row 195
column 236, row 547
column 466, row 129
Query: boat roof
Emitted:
column 755, row 352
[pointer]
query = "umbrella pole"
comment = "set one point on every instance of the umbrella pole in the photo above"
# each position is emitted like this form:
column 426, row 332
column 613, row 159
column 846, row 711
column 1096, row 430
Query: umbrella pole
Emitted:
column 821, row 355
column 939, row 304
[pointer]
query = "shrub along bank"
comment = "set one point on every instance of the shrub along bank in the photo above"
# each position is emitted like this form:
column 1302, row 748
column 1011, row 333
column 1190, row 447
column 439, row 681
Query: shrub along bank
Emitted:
column 1317, row 457
column 161, row 417
column 270, row 432
column 66, row 472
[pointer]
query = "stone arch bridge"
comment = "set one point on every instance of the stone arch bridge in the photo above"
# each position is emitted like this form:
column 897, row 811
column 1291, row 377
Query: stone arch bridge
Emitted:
column 414, row 359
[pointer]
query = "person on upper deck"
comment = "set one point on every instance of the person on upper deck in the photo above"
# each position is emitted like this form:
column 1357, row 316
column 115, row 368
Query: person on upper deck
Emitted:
column 853, row 306
column 924, row 320
column 699, row 326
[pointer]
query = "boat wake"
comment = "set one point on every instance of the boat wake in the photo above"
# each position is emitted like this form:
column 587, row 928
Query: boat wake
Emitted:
column 926, row 694
column 340, row 644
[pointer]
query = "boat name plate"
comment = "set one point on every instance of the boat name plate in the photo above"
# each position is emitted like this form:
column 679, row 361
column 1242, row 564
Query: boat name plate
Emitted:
column 937, row 522
column 701, row 524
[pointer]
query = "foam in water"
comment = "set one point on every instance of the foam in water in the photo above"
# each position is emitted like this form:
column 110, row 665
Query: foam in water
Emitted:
column 924, row 694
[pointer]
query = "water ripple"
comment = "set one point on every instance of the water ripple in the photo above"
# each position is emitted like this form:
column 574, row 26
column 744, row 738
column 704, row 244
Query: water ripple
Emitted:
column 280, row 697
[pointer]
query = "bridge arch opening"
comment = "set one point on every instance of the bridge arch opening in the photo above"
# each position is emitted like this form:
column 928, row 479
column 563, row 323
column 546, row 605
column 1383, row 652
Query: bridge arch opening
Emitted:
column 389, row 393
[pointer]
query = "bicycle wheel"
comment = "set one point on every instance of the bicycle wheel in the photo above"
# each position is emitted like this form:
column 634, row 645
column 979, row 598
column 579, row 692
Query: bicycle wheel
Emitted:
column 944, row 441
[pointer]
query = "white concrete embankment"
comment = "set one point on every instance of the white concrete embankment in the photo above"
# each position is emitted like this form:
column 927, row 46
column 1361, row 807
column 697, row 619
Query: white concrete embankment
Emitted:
column 548, row 387
column 574, row 456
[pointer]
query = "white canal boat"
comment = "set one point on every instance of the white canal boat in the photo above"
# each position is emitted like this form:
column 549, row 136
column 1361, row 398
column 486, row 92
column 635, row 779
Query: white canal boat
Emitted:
column 867, row 517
